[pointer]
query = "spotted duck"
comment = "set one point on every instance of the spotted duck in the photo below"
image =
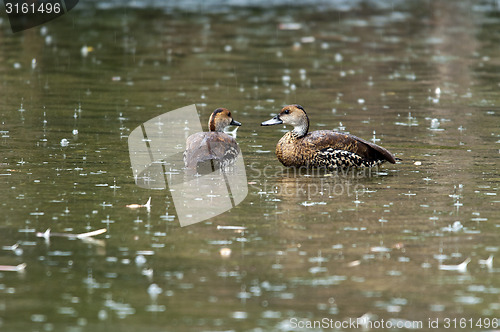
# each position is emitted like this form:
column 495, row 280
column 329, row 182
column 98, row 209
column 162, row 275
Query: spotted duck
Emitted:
column 323, row 148
column 214, row 146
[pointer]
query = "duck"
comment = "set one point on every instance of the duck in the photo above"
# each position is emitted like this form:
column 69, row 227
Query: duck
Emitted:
column 326, row 149
column 214, row 147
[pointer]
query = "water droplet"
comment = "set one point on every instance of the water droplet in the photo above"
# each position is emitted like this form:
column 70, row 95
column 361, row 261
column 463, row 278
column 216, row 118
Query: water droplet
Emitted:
column 140, row 260
column 154, row 290
column 239, row 315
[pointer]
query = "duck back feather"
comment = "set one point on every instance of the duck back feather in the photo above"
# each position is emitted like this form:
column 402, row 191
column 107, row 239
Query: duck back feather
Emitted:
column 216, row 146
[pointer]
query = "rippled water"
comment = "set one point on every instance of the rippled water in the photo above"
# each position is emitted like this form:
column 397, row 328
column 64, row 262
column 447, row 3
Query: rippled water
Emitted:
column 420, row 79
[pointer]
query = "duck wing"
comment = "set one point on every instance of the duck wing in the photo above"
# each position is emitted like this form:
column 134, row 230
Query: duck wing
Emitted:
column 201, row 147
column 327, row 139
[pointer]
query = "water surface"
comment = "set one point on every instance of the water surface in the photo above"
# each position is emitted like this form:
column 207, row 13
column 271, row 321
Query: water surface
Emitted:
column 420, row 79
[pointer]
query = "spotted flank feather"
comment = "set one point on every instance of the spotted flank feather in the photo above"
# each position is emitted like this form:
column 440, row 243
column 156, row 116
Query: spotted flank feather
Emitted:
column 338, row 159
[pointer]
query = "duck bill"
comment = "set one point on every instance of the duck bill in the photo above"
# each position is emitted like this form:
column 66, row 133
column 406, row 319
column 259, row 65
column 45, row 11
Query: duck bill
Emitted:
column 235, row 123
column 274, row 121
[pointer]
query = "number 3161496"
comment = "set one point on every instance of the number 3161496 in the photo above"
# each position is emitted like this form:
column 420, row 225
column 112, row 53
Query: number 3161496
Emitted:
column 32, row 8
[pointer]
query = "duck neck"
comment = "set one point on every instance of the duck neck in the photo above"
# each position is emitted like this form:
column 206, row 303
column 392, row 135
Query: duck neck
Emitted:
column 212, row 125
column 301, row 129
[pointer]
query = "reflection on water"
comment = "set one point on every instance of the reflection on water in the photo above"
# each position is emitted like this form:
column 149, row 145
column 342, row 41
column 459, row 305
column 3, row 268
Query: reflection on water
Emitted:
column 406, row 243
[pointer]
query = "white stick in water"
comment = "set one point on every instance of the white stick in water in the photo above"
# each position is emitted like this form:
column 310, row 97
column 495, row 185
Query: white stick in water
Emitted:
column 13, row 268
column 462, row 267
column 136, row 206
column 47, row 234
column 93, row 233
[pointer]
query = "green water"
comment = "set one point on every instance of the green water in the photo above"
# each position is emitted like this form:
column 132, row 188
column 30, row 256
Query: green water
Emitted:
column 314, row 246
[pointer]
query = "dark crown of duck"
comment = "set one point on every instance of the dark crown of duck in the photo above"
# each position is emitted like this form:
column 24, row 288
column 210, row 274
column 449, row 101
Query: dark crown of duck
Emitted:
column 220, row 119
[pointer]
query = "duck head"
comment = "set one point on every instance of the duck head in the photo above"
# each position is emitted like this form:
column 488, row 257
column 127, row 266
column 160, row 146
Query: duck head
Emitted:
column 294, row 115
column 220, row 119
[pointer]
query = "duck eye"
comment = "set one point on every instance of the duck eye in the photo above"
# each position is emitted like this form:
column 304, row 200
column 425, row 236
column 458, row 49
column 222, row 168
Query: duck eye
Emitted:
column 287, row 111
column 229, row 114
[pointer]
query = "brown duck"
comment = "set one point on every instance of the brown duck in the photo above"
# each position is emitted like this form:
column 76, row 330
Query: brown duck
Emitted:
column 215, row 145
column 323, row 148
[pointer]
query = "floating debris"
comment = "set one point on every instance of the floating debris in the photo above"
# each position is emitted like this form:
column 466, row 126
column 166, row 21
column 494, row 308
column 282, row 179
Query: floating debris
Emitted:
column 317, row 269
column 364, row 320
column 379, row 249
column 147, row 272
column 306, row 203
column 457, row 226
column 225, row 252
column 307, row 39
column 462, row 267
column 12, row 247
column 354, row 263
column 435, row 123
column 290, row 26
column 469, row 300
column 398, row 246
column 13, row 268
column 417, row 163
column 145, row 252
column 136, row 206
column 85, row 50
column 47, row 234
column 236, row 228
column 239, row 315
column 64, row 142
column 487, row 262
